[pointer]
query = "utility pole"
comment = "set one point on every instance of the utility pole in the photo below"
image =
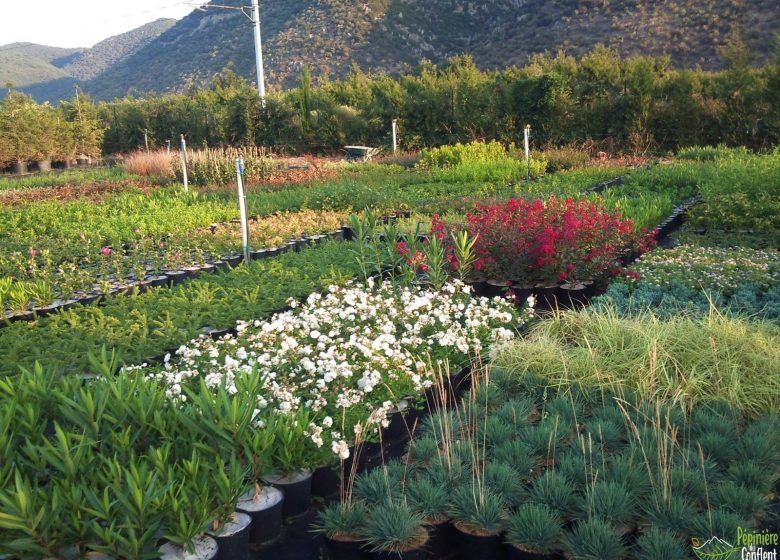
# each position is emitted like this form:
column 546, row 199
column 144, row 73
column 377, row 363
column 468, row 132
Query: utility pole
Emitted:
column 258, row 51
column 254, row 17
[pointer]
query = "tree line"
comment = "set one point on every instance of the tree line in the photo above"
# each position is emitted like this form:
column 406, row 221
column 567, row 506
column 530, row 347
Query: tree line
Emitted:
column 629, row 104
column 33, row 132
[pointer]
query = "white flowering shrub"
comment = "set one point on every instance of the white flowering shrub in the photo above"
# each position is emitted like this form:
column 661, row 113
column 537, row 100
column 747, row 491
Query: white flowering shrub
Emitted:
column 347, row 358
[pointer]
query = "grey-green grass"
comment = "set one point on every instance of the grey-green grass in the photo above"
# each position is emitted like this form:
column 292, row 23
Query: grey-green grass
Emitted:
column 686, row 360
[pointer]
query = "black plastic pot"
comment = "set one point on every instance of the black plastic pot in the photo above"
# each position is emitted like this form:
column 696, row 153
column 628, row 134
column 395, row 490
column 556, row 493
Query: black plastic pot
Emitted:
column 484, row 547
column 496, row 288
column 158, row 281
column 192, row 271
column 337, row 234
column 297, row 491
column 266, row 513
column 176, row 277
column 478, row 287
column 233, row 260
column 345, row 549
column 440, row 538
column 233, row 538
column 259, row 254
column 206, row 548
column 220, row 265
column 325, row 482
column 418, row 553
column 514, row 553
column 397, row 428
column 218, row 333
column 546, row 296
column 460, row 382
column 521, row 291
column 573, row 296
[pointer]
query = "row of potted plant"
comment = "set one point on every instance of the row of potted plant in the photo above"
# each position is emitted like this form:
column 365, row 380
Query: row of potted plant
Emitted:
column 174, row 447
column 79, row 227
column 710, row 268
column 145, row 325
column 523, row 470
column 47, row 287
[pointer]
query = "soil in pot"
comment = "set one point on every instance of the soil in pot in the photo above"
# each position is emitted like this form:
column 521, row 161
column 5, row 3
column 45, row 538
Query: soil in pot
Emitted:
column 297, row 491
column 265, row 509
column 233, row 538
column 345, row 547
column 478, row 544
column 205, row 549
column 325, row 482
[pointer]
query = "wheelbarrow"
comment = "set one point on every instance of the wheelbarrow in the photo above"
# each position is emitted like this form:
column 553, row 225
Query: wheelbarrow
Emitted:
column 360, row 153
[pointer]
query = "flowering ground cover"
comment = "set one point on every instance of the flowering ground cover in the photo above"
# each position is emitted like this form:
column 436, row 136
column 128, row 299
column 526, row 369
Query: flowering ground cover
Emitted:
column 353, row 354
column 717, row 269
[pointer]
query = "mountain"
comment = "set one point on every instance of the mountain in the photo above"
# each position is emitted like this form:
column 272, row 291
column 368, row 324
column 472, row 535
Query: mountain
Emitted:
column 390, row 35
column 393, row 35
column 49, row 73
column 89, row 63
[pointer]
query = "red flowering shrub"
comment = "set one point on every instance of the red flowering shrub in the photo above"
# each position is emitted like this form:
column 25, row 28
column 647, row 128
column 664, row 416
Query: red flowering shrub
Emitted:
column 547, row 241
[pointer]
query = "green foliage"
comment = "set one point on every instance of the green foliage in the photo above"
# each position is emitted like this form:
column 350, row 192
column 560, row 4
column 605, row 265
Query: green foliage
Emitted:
column 393, row 528
column 535, row 528
column 694, row 360
column 656, row 544
column 593, row 540
column 477, row 506
column 345, row 518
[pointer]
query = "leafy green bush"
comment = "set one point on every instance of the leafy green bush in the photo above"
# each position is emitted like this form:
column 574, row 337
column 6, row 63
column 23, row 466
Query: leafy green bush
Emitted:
column 710, row 153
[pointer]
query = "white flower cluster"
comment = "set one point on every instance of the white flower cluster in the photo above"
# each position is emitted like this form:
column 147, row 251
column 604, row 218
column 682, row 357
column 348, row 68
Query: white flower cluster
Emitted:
column 353, row 354
column 723, row 269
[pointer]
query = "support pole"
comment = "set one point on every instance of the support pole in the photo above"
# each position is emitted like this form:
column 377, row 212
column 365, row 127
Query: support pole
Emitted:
column 527, row 136
column 184, row 163
column 242, row 207
column 258, row 51
column 395, row 135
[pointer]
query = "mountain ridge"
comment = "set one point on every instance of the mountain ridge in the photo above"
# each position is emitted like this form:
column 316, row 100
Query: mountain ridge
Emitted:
column 395, row 35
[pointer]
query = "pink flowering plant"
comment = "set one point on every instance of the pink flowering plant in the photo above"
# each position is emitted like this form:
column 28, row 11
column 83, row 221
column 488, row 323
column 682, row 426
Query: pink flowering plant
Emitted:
column 545, row 241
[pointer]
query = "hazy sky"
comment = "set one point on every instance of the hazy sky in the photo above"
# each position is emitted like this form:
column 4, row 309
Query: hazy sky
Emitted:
column 81, row 23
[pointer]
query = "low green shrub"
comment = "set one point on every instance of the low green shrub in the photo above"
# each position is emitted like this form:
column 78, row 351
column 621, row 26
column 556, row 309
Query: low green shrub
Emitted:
column 684, row 360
